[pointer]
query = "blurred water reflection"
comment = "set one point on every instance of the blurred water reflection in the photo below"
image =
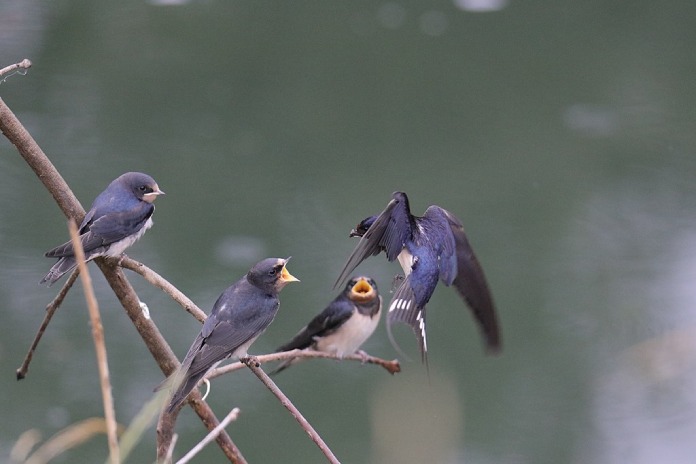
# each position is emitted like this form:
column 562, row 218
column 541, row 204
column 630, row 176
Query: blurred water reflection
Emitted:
column 562, row 134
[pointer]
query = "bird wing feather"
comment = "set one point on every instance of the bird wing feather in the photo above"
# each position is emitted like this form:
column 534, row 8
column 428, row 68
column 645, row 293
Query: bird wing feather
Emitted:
column 106, row 229
column 388, row 233
column 404, row 308
column 470, row 283
column 325, row 323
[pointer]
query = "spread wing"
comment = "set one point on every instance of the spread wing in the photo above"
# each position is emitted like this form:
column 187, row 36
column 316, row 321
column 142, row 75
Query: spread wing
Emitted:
column 388, row 233
column 470, row 282
column 106, row 229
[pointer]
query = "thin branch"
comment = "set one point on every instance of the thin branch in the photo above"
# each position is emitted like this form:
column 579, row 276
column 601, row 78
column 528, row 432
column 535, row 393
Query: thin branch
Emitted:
column 160, row 282
column 20, row 67
column 51, row 309
column 210, row 437
column 27, row 147
column 254, row 365
column 166, row 422
column 170, row 452
column 99, row 345
column 392, row 367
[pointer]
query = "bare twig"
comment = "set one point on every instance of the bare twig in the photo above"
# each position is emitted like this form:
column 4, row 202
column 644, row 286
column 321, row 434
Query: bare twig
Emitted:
column 20, row 67
column 170, row 452
column 66, row 439
column 254, row 365
column 161, row 283
column 165, row 428
column 27, row 147
column 51, row 309
column 210, row 437
column 99, row 345
column 392, row 367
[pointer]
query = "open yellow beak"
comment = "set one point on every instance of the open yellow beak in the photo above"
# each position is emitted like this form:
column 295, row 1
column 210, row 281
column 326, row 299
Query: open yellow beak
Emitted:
column 362, row 290
column 286, row 277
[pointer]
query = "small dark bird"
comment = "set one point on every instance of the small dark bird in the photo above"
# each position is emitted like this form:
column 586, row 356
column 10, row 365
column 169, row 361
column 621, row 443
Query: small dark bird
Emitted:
column 429, row 248
column 343, row 326
column 239, row 316
column 119, row 216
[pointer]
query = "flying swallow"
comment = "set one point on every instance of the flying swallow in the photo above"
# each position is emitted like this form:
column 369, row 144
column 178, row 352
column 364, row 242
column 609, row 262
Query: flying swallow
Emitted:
column 343, row 326
column 239, row 316
column 429, row 249
column 119, row 216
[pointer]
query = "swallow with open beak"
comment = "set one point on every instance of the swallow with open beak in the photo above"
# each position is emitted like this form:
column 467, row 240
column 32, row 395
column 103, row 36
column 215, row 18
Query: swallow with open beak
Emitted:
column 344, row 325
column 240, row 315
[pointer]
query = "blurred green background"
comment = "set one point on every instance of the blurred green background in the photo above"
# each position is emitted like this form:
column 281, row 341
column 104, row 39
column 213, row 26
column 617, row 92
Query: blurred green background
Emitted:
column 562, row 134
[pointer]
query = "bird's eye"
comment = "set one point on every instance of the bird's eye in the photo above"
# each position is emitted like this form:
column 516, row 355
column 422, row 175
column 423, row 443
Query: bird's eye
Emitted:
column 145, row 189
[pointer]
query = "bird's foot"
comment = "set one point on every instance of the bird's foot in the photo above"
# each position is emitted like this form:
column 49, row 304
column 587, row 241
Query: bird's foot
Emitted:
column 396, row 282
column 250, row 360
column 363, row 356
column 121, row 258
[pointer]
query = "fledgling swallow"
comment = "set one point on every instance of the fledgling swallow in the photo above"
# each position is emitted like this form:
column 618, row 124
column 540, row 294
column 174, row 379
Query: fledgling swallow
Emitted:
column 119, row 216
column 429, row 248
column 239, row 316
column 343, row 326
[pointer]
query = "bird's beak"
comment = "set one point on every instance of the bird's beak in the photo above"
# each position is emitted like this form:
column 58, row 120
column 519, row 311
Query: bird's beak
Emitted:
column 152, row 196
column 286, row 277
column 354, row 233
column 362, row 290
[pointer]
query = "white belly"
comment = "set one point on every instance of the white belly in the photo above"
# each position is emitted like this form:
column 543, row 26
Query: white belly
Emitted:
column 350, row 337
column 116, row 249
column 406, row 261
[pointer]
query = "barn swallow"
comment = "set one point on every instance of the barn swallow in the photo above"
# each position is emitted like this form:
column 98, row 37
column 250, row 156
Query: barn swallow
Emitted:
column 119, row 216
column 429, row 248
column 239, row 316
column 343, row 326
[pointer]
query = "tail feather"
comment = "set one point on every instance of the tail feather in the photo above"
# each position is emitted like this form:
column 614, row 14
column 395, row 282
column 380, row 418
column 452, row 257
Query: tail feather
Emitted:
column 63, row 266
column 403, row 308
column 185, row 386
column 284, row 365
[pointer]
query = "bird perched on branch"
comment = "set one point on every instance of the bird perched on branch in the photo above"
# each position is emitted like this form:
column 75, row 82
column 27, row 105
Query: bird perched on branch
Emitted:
column 430, row 248
column 119, row 216
column 343, row 326
column 239, row 316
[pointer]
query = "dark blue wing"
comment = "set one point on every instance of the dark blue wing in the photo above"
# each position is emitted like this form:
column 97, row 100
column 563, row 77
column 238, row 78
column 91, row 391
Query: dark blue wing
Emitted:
column 325, row 323
column 388, row 233
column 470, row 283
column 107, row 229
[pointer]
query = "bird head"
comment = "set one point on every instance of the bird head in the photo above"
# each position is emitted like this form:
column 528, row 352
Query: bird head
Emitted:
column 143, row 186
column 271, row 274
column 362, row 227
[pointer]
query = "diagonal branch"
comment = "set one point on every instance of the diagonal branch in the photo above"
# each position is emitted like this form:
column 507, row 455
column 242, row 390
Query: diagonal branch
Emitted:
column 160, row 282
column 27, row 147
column 255, row 367
column 99, row 346
column 51, row 309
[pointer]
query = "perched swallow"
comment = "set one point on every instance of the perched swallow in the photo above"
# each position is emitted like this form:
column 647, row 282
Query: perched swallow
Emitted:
column 429, row 248
column 343, row 326
column 239, row 316
column 119, row 216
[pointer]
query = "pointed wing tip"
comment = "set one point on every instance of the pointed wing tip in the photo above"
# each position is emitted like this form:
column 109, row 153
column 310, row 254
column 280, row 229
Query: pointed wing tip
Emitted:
column 494, row 349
